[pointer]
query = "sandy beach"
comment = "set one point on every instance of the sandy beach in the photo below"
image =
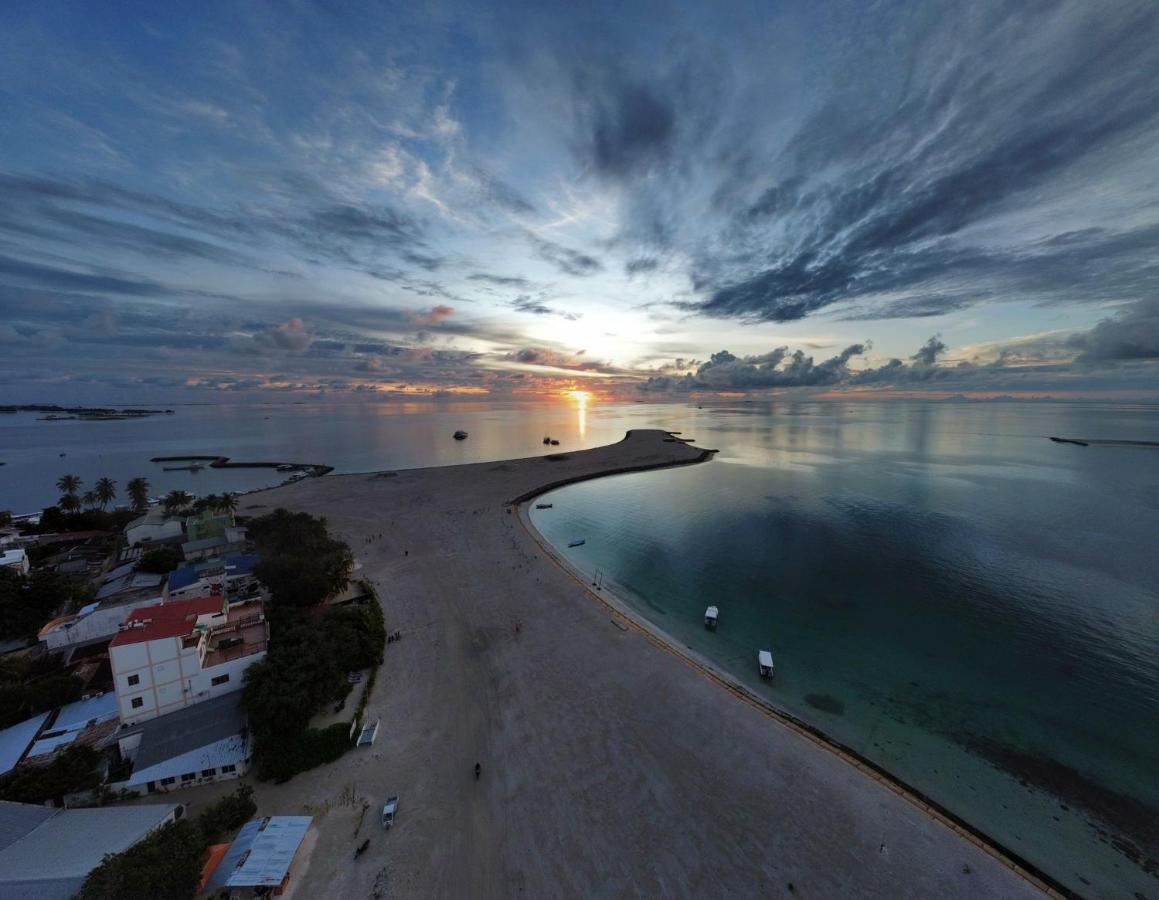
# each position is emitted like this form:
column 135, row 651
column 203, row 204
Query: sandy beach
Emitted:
column 611, row 766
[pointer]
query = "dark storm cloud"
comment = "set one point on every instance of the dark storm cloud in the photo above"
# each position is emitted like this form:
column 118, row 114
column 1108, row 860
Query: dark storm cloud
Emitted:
column 1131, row 335
column 929, row 352
column 778, row 368
column 500, row 280
column 567, row 260
column 631, row 128
column 528, row 304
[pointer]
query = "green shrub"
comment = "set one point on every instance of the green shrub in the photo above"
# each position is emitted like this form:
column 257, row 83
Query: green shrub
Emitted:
column 301, row 564
column 73, row 770
column 160, row 560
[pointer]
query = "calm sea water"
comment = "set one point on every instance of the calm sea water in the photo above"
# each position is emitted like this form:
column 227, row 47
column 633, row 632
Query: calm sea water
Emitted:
column 946, row 591
column 352, row 437
column 966, row 603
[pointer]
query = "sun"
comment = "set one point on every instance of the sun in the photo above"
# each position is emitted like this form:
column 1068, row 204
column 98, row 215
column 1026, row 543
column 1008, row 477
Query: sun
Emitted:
column 580, row 396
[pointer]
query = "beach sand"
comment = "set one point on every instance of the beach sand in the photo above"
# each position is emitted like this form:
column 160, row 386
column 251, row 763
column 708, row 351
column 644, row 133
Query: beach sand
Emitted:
column 610, row 765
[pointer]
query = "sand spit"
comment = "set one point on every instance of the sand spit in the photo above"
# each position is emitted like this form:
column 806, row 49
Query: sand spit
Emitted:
column 610, row 766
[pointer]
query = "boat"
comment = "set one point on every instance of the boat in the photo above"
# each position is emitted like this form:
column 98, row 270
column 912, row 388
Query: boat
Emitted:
column 1074, row 441
column 543, row 506
column 460, row 435
column 547, row 440
column 554, row 442
column 710, row 616
column 578, row 543
column 765, row 663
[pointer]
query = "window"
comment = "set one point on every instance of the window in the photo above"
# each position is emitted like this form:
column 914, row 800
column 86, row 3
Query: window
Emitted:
column 208, row 773
column 220, row 679
column 138, row 702
column 169, row 780
column 134, row 680
column 188, row 776
column 225, row 769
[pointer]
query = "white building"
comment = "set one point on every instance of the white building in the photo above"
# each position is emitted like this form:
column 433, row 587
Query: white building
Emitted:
column 15, row 559
column 153, row 527
column 200, row 744
column 176, row 654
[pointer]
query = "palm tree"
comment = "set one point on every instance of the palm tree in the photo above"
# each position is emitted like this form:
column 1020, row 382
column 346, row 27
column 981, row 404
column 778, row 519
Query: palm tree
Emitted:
column 68, row 484
column 227, row 503
column 106, row 491
column 176, row 500
column 90, row 499
column 138, row 489
column 69, row 503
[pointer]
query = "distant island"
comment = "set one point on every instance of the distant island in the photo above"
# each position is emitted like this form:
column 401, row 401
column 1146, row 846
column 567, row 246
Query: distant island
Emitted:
column 91, row 413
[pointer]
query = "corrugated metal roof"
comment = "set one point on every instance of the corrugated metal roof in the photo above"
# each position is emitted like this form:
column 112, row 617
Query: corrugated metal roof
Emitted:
column 73, row 719
column 179, row 742
column 262, row 852
column 17, row 819
column 15, row 740
column 53, row 859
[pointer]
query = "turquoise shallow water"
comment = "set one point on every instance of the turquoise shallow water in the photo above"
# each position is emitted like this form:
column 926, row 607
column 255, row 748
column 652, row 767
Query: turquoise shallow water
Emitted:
column 946, row 591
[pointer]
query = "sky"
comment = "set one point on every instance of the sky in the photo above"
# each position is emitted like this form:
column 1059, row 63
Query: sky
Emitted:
column 635, row 200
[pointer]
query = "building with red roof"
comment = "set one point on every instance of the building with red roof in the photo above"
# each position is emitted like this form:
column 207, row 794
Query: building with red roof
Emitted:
column 171, row 655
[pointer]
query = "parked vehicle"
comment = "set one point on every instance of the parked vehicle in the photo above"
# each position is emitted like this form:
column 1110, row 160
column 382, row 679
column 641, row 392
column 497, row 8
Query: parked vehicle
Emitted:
column 388, row 811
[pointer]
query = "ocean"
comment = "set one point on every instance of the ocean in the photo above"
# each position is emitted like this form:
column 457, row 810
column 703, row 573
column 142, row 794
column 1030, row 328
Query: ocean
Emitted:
column 946, row 591
column 969, row 605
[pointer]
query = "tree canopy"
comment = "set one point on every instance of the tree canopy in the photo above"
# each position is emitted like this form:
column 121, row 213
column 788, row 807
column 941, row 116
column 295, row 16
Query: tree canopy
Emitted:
column 301, row 564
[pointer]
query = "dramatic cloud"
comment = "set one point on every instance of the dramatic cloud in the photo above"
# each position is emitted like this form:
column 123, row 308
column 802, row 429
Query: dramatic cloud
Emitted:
column 1134, row 334
column 778, row 368
column 568, row 261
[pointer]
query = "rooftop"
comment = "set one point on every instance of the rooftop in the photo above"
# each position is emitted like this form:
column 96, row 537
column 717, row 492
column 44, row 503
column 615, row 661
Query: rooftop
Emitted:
column 55, row 854
column 196, row 726
column 234, row 566
column 16, row 739
column 262, row 853
column 165, row 620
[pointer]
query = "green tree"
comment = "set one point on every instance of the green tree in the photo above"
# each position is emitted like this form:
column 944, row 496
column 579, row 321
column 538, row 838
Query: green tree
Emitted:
column 70, row 503
column 68, row 484
column 89, row 499
column 227, row 503
column 167, row 863
column 176, row 500
column 106, row 491
column 138, row 490
column 160, row 560
column 5, row 518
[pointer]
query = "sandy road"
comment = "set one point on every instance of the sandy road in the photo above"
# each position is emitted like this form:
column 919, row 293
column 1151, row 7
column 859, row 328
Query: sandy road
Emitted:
column 610, row 768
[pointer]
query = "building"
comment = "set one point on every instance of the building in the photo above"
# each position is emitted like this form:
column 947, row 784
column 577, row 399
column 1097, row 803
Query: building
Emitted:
column 92, row 722
column 232, row 575
column 16, row 559
column 260, row 861
column 199, row 744
column 152, row 528
column 46, row 854
column 16, row 739
column 171, row 655
column 207, row 524
column 231, row 543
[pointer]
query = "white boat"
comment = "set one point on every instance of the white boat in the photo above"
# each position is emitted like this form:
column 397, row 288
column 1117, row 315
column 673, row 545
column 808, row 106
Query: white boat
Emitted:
column 765, row 662
column 578, row 543
column 710, row 616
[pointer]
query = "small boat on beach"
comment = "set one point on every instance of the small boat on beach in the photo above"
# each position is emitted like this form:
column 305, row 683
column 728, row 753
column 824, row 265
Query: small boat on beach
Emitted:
column 710, row 616
column 543, row 506
column 460, row 435
column 765, row 663
column 554, row 442
column 578, row 543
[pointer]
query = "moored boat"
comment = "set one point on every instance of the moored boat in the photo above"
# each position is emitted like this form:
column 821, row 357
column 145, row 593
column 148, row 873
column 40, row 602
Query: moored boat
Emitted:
column 710, row 616
column 765, row 663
